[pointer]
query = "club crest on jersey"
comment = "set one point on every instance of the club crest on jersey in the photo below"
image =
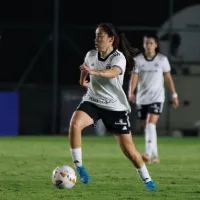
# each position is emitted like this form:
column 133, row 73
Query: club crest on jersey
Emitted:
column 108, row 66
column 156, row 65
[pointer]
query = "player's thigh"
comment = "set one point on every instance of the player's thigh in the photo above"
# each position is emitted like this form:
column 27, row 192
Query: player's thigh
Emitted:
column 154, row 112
column 116, row 122
column 85, row 115
column 80, row 120
column 144, row 123
column 141, row 111
column 153, row 118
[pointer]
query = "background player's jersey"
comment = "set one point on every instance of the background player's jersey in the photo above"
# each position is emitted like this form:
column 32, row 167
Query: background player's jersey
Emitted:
column 150, row 88
column 107, row 93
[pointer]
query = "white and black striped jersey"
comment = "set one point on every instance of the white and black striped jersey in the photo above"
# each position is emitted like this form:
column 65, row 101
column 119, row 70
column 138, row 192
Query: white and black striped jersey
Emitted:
column 150, row 87
column 107, row 93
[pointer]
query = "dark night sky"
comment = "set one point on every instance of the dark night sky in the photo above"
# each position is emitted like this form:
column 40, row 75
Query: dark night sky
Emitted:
column 25, row 25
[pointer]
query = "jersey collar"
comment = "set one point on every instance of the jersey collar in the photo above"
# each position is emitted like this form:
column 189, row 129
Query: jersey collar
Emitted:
column 104, row 59
column 149, row 59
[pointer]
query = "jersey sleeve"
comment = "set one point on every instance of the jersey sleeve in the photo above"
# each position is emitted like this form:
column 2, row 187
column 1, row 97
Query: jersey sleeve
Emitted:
column 166, row 65
column 136, row 68
column 86, row 59
column 119, row 61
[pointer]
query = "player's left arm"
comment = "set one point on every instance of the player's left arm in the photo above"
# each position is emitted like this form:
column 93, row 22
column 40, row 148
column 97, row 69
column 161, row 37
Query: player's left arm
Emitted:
column 170, row 83
column 118, row 64
column 107, row 73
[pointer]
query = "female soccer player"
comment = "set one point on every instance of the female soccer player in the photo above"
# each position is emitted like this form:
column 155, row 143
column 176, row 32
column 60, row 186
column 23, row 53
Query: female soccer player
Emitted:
column 105, row 98
column 151, row 70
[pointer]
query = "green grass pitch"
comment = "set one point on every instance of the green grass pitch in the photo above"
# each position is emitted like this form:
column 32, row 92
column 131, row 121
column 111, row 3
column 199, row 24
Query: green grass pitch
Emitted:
column 26, row 165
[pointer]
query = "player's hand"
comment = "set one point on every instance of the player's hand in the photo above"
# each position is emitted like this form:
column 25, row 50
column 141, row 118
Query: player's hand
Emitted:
column 175, row 102
column 131, row 98
column 85, row 68
column 85, row 84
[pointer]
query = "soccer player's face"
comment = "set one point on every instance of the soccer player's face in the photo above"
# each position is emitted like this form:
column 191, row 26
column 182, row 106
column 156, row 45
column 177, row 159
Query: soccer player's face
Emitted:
column 150, row 44
column 102, row 40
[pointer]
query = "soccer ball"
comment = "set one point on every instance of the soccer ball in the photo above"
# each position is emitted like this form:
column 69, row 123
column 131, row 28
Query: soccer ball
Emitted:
column 64, row 177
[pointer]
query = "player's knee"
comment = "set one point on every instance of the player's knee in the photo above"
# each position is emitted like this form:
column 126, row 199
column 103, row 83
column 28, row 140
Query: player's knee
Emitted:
column 129, row 149
column 153, row 119
column 150, row 126
column 132, row 155
column 75, row 126
column 144, row 123
column 127, row 153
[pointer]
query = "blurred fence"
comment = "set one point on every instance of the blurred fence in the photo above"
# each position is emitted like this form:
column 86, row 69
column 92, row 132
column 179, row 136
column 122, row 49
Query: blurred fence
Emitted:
column 35, row 110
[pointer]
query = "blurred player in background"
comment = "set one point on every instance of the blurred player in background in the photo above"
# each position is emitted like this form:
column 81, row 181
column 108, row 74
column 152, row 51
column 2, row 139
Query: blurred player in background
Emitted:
column 152, row 69
column 105, row 98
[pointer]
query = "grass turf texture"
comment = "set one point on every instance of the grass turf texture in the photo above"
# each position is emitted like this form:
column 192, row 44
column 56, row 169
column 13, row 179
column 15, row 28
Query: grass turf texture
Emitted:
column 26, row 165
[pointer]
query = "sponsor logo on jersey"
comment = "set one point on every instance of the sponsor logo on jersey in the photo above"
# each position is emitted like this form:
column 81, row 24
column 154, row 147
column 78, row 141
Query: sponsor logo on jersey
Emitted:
column 156, row 65
column 100, row 100
column 148, row 71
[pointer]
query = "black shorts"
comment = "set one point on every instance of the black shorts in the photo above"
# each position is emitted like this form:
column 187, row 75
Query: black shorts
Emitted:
column 144, row 110
column 114, row 121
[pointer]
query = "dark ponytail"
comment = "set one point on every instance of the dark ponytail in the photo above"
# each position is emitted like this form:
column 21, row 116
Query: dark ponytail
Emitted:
column 122, row 44
column 128, row 51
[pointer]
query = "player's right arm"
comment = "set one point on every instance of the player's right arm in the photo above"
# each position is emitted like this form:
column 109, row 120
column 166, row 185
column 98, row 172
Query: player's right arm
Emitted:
column 83, row 78
column 169, row 81
column 132, row 87
column 84, row 74
column 133, row 84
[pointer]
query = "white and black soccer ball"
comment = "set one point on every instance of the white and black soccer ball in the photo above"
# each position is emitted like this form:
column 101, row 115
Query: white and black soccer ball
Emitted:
column 64, row 177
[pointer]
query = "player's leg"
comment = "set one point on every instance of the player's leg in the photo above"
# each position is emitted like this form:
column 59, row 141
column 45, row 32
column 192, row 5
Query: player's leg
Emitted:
column 151, row 130
column 82, row 117
column 149, row 145
column 118, row 124
column 142, row 114
column 128, row 148
column 154, row 112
